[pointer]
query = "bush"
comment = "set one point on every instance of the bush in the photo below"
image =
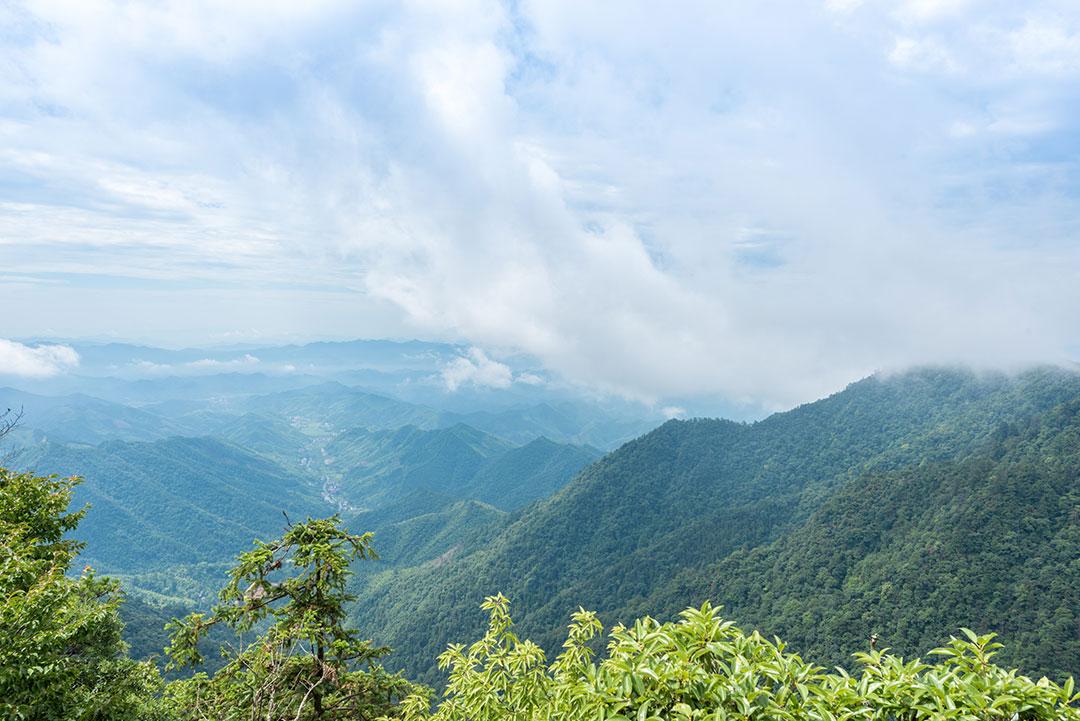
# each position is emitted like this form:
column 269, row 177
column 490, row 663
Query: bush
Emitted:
column 704, row 667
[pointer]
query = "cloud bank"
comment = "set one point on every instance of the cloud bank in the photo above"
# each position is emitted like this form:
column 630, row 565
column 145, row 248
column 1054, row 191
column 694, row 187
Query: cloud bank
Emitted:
column 39, row 361
column 656, row 201
column 477, row 369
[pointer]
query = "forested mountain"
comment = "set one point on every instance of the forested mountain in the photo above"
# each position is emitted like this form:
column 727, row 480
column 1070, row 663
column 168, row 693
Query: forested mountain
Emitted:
column 175, row 501
column 979, row 527
column 170, row 514
column 375, row 468
column 453, row 528
column 904, row 505
column 990, row 541
column 271, row 436
column 334, row 407
column 566, row 423
column 84, row 419
column 539, row 469
column 677, row 501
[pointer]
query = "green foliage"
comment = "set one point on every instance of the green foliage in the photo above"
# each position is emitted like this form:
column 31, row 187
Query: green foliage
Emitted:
column 307, row 664
column 703, row 667
column 146, row 636
column 61, row 653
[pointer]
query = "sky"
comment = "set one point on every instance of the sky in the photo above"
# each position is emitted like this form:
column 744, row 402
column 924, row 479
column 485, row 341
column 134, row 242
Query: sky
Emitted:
column 758, row 200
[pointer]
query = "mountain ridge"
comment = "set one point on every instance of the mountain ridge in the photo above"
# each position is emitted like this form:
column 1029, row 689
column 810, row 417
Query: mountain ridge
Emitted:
column 692, row 492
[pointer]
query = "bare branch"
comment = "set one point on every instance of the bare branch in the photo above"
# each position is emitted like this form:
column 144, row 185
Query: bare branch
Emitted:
column 9, row 420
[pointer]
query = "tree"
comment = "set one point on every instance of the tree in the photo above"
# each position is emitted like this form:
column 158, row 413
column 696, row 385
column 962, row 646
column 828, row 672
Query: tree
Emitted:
column 61, row 655
column 9, row 420
column 307, row 664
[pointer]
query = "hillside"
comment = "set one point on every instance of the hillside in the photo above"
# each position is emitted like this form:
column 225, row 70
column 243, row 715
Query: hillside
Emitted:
column 378, row 467
column 527, row 473
column 577, row 423
column 84, row 419
column 267, row 435
column 688, row 495
column 992, row 542
column 330, row 407
column 175, row 501
column 372, row 469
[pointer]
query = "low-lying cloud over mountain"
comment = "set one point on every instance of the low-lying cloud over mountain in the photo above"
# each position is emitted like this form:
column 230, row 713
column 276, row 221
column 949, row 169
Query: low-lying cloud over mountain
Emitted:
column 39, row 361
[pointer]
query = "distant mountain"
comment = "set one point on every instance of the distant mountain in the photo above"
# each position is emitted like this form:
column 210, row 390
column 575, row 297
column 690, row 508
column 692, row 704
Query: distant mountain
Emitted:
column 175, row 501
column 384, row 355
column 211, row 387
column 331, row 407
column 376, row 468
column 647, row 522
column 118, row 358
column 381, row 385
column 168, row 394
column 83, row 419
column 267, row 435
column 521, row 475
column 566, row 422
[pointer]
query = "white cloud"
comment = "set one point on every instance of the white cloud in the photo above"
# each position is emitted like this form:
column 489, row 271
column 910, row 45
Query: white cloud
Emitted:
column 1046, row 46
column 540, row 177
column 930, row 10
column 37, row 361
column 842, row 6
column 924, row 54
column 477, row 369
column 203, row 366
column 245, row 361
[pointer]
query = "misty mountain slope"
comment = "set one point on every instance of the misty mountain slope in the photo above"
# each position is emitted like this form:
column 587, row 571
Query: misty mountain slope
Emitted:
column 267, row 435
column 522, row 475
column 459, row 527
column 330, row 407
column 84, row 419
column 991, row 542
column 690, row 493
column 581, row 424
column 376, row 468
column 175, row 501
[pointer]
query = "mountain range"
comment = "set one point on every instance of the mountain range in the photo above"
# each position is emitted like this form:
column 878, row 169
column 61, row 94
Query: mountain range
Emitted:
column 855, row 515
column 904, row 506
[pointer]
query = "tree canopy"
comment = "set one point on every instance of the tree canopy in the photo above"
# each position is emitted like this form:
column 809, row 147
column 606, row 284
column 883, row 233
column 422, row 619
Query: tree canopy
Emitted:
column 61, row 654
column 307, row 664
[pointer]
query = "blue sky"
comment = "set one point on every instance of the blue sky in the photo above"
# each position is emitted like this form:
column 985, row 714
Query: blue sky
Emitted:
column 762, row 200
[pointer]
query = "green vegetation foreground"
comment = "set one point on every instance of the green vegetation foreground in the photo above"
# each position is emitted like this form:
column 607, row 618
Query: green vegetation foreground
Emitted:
column 704, row 667
column 61, row 656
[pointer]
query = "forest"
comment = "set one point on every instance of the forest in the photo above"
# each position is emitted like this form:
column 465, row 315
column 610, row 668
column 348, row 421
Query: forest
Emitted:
column 61, row 653
column 903, row 506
